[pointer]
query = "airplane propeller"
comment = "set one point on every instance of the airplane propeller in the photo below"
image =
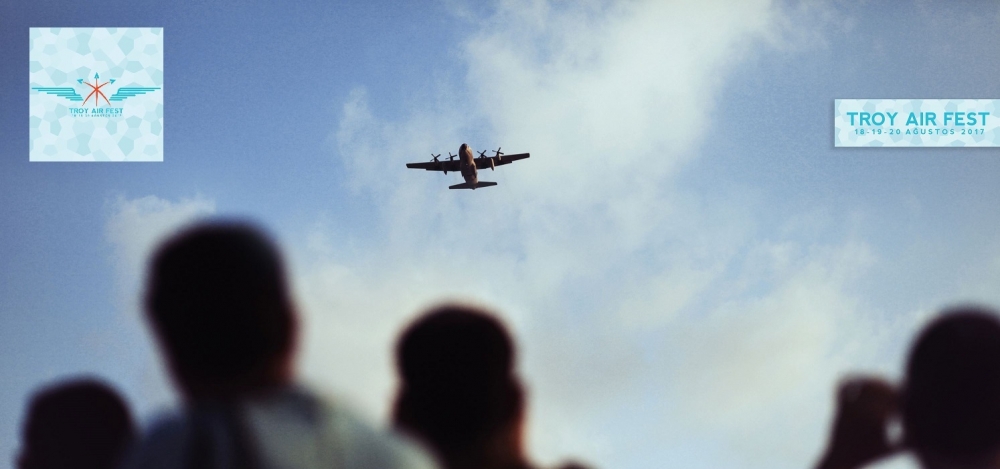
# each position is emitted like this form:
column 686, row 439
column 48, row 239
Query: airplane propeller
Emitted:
column 499, row 154
column 450, row 158
column 434, row 157
column 482, row 154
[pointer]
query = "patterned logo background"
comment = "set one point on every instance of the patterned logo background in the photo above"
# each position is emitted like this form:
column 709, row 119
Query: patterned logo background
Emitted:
column 63, row 127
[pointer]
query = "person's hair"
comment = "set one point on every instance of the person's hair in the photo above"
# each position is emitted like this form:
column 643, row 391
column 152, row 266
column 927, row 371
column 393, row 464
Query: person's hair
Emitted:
column 77, row 424
column 218, row 300
column 951, row 402
column 458, row 385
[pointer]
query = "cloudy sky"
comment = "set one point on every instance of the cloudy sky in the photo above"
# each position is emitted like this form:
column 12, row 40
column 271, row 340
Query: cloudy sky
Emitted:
column 687, row 262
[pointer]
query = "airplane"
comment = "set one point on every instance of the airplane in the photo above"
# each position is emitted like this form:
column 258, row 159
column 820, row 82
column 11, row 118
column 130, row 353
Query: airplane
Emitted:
column 468, row 165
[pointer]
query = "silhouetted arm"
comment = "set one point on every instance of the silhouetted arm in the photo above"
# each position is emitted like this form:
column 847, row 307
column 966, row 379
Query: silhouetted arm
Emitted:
column 858, row 436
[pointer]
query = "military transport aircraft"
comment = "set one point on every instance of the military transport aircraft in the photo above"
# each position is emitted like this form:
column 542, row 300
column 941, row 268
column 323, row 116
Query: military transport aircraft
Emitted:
column 468, row 165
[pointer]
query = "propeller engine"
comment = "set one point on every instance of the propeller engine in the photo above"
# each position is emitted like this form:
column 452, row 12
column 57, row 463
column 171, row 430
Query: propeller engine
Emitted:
column 482, row 155
column 434, row 157
column 499, row 154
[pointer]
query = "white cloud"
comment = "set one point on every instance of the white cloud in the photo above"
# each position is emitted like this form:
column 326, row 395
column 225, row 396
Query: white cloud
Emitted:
column 658, row 326
column 134, row 228
column 646, row 314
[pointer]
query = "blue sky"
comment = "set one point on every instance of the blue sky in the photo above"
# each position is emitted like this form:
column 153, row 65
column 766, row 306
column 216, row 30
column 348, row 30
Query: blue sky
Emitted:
column 686, row 258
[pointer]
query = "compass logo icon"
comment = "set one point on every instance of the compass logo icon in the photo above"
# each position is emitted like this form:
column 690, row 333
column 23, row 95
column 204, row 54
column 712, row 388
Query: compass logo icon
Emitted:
column 96, row 90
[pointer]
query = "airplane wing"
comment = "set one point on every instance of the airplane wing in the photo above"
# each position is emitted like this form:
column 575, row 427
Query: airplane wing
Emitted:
column 68, row 93
column 124, row 93
column 452, row 165
column 483, row 163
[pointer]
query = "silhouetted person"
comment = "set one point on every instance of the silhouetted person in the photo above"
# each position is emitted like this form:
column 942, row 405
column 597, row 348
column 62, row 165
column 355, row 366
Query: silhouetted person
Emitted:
column 77, row 424
column 459, row 393
column 219, row 304
column 949, row 407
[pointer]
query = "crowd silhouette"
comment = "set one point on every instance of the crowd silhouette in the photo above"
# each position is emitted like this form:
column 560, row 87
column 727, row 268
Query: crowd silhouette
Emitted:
column 459, row 394
column 80, row 423
column 948, row 406
column 218, row 302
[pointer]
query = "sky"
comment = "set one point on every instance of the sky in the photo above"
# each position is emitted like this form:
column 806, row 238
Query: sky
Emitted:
column 688, row 264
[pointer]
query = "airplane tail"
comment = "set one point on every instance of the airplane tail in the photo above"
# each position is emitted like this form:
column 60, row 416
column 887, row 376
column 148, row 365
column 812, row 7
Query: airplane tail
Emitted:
column 466, row 185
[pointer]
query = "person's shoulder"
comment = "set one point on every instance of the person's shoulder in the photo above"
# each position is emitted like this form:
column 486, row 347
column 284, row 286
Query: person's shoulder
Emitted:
column 573, row 465
column 564, row 465
column 160, row 445
column 365, row 445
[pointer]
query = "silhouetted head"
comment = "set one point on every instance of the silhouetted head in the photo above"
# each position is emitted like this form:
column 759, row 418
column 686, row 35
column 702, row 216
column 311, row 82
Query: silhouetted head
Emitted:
column 82, row 424
column 219, row 303
column 951, row 405
column 458, row 389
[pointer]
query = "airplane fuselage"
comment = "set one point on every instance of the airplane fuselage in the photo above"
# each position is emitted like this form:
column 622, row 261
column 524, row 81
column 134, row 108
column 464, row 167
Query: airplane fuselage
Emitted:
column 468, row 165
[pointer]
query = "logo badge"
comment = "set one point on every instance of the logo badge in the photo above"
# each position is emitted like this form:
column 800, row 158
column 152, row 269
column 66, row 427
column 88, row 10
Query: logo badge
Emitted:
column 916, row 123
column 96, row 94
